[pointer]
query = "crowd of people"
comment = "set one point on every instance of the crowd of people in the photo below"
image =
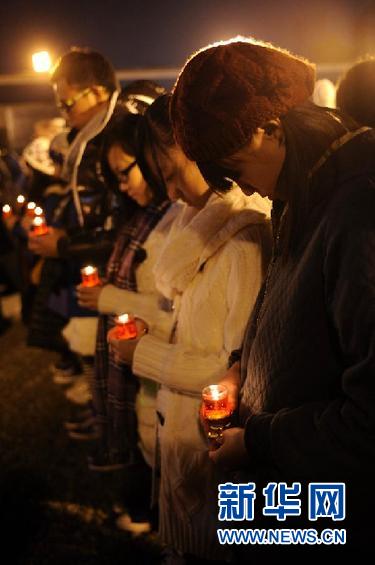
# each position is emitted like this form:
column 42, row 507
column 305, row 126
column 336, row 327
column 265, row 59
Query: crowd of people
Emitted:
column 221, row 234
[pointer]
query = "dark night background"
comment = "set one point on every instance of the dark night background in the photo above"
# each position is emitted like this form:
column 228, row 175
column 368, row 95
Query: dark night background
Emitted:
column 141, row 33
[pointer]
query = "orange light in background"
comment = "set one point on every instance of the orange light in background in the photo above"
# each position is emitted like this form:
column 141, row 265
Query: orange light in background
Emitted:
column 41, row 62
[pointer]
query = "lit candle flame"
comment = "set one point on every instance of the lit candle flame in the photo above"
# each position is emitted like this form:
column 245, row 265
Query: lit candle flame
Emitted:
column 123, row 318
column 20, row 199
column 215, row 392
column 89, row 270
column 7, row 209
column 31, row 206
column 38, row 221
column 38, row 211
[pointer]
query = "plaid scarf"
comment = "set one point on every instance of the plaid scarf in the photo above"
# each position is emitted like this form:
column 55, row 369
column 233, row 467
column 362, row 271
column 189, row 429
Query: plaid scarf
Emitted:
column 114, row 385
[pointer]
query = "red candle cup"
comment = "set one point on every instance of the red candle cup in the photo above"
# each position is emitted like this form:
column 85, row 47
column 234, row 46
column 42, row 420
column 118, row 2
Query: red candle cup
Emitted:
column 90, row 276
column 30, row 209
column 217, row 411
column 7, row 211
column 39, row 226
column 125, row 327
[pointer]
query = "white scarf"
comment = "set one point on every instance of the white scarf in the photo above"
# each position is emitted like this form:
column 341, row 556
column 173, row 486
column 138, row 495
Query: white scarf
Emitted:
column 197, row 234
column 78, row 146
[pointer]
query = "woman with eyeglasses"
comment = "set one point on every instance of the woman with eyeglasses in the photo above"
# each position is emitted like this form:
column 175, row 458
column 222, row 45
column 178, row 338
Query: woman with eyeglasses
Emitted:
column 211, row 266
column 128, row 287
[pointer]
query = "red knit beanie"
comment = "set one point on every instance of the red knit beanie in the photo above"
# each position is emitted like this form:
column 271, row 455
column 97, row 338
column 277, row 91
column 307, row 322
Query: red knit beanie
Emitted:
column 229, row 89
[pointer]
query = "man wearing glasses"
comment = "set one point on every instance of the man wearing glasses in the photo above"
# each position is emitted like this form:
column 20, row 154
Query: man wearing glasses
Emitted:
column 86, row 91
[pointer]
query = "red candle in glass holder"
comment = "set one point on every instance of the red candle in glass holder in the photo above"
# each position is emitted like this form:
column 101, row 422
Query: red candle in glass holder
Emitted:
column 7, row 211
column 30, row 209
column 126, row 328
column 217, row 411
column 39, row 226
column 90, row 276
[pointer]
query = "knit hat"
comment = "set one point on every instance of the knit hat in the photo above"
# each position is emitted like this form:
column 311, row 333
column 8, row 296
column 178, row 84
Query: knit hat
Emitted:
column 227, row 90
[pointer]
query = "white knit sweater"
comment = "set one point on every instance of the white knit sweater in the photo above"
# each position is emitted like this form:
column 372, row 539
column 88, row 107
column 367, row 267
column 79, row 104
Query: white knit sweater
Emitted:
column 147, row 303
column 211, row 267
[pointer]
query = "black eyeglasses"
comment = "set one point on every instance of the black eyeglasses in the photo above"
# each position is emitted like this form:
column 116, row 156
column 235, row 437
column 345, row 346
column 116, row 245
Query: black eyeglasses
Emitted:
column 124, row 173
column 67, row 105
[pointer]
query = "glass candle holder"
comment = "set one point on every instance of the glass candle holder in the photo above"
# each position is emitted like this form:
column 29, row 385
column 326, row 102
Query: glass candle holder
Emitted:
column 126, row 328
column 217, row 411
column 30, row 209
column 7, row 211
column 39, row 226
column 90, row 276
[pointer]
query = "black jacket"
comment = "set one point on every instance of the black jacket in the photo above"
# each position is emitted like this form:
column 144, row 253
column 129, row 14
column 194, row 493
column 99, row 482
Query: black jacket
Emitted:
column 308, row 396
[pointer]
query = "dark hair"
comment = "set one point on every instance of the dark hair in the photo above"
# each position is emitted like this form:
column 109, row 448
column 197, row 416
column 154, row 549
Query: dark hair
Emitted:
column 154, row 136
column 309, row 131
column 138, row 95
column 122, row 131
column 84, row 67
column 356, row 92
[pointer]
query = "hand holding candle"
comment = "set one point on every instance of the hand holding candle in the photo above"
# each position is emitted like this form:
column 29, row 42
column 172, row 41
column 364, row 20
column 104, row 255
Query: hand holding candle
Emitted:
column 216, row 411
column 121, row 346
column 88, row 296
column 46, row 246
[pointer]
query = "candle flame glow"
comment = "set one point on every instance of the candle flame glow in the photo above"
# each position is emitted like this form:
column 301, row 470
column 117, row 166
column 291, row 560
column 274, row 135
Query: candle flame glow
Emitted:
column 20, row 199
column 215, row 392
column 38, row 221
column 38, row 211
column 123, row 318
column 6, row 209
column 31, row 205
column 89, row 270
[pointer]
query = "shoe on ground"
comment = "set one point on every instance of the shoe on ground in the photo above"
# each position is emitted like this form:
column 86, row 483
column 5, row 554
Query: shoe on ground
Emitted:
column 136, row 528
column 87, row 432
column 102, row 463
column 79, row 392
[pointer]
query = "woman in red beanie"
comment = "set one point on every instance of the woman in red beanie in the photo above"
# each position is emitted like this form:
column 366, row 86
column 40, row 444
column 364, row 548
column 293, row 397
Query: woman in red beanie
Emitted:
column 305, row 378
